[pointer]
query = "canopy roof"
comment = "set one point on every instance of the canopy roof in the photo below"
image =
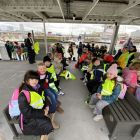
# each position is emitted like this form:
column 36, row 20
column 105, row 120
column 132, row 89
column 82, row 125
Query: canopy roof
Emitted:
column 71, row 11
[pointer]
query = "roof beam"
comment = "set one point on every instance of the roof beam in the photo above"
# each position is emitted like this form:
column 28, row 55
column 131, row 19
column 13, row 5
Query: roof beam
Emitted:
column 40, row 15
column 9, row 15
column 23, row 17
column 132, row 3
column 60, row 6
column 17, row 15
column 37, row 8
column 95, row 2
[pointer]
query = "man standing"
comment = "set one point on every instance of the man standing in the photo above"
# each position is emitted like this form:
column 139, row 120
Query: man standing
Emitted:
column 9, row 49
column 31, row 53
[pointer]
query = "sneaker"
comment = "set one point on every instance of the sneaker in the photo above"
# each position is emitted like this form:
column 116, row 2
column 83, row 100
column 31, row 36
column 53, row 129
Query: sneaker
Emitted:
column 86, row 102
column 85, row 83
column 94, row 112
column 82, row 78
column 61, row 93
column 91, row 106
column 98, row 117
column 59, row 88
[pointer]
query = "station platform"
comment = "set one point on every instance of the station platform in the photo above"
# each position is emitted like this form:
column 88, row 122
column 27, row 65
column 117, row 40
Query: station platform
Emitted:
column 75, row 124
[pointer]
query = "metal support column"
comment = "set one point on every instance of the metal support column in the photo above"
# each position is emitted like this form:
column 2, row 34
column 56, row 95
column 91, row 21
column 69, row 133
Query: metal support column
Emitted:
column 114, row 38
column 33, row 36
column 45, row 37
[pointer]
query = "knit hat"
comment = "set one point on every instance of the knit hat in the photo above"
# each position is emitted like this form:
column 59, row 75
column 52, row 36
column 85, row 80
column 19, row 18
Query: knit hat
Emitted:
column 113, row 69
column 108, row 58
column 46, row 58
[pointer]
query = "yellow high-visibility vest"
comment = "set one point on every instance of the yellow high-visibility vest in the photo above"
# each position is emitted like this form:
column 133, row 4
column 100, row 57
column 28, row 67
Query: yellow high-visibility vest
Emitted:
column 52, row 85
column 36, row 47
column 36, row 100
column 51, row 70
column 123, row 59
column 107, row 87
column 67, row 75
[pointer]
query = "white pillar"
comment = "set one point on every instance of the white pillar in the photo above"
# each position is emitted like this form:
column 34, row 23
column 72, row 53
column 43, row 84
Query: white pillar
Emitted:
column 45, row 37
column 114, row 38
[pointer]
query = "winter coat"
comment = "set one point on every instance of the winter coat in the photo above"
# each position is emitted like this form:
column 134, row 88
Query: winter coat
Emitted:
column 34, row 120
column 98, row 72
column 29, row 44
column 110, row 99
column 42, row 81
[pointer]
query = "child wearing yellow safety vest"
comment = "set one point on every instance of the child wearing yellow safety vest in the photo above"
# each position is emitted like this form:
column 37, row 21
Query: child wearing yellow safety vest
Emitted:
column 35, row 111
column 96, row 77
column 106, row 94
column 51, row 69
column 49, row 87
column 126, row 57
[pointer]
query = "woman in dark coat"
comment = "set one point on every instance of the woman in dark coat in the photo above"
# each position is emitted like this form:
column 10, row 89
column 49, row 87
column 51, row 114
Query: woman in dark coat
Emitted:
column 35, row 121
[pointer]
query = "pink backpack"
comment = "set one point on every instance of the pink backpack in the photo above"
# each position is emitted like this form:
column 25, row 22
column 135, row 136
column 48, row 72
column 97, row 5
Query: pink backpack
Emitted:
column 123, row 91
column 130, row 77
column 13, row 104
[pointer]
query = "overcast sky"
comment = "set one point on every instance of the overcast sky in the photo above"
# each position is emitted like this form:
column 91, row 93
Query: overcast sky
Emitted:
column 64, row 28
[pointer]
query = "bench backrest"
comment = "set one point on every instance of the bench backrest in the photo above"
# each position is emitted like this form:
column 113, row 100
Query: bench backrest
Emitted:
column 9, row 121
column 133, row 102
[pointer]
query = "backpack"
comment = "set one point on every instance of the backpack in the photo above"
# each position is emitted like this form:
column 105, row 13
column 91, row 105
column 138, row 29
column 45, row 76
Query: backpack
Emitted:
column 13, row 104
column 123, row 91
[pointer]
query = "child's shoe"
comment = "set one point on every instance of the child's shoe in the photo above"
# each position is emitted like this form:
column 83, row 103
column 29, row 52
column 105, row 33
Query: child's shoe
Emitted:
column 59, row 88
column 82, row 78
column 91, row 106
column 98, row 117
column 61, row 93
column 60, row 110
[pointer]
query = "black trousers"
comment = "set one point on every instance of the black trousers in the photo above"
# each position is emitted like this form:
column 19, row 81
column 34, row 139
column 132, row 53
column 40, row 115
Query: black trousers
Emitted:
column 31, row 56
column 92, row 86
column 9, row 53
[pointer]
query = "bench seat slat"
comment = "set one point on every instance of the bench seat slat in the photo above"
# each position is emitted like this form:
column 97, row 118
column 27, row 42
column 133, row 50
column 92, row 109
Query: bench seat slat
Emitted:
column 130, row 111
column 126, row 108
column 120, row 109
column 117, row 113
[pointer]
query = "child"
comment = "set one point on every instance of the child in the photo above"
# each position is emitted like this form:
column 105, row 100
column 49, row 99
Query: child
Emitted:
column 45, row 80
column 130, row 76
column 97, row 72
column 35, row 114
column 107, row 93
column 50, row 68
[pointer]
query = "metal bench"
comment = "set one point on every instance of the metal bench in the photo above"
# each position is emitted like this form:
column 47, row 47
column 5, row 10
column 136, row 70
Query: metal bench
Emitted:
column 123, row 119
column 11, row 122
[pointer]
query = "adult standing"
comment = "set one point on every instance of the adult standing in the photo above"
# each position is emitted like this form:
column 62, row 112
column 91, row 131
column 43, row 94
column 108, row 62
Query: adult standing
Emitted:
column 9, row 49
column 80, row 49
column 29, row 44
column 70, row 51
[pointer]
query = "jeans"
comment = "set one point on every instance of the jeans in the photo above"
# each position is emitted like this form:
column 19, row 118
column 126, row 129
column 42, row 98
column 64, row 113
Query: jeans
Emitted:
column 99, row 104
column 53, row 97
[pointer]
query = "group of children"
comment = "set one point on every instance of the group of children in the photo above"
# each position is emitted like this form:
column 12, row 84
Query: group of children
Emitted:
column 37, row 115
column 38, row 97
column 106, row 79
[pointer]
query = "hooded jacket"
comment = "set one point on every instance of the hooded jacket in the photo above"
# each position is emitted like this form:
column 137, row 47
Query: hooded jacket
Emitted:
column 34, row 120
